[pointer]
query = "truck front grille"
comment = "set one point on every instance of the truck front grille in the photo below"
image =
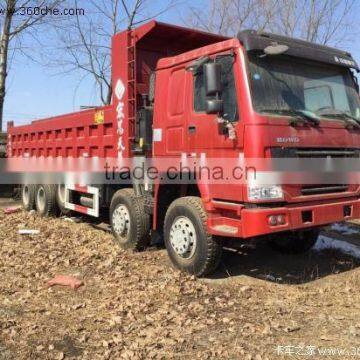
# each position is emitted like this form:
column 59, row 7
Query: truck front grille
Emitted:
column 326, row 153
column 317, row 189
column 283, row 152
column 323, row 189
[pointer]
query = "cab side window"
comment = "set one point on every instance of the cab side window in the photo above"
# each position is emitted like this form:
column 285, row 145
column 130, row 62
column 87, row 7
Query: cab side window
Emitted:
column 228, row 95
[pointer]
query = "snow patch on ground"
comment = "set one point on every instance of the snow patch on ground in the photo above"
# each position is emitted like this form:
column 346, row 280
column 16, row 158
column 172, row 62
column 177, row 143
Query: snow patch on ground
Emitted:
column 324, row 243
column 344, row 229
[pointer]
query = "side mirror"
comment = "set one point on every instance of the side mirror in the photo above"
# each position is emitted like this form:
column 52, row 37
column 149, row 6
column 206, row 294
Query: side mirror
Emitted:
column 212, row 72
column 213, row 106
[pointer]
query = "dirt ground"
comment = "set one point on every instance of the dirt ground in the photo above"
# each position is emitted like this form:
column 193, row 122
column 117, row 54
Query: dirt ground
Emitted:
column 259, row 305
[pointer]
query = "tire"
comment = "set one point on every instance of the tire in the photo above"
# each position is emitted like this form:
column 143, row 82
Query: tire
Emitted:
column 45, row 200
column 198, row 253
column 296, row 242
column 60, row 200
column 129, row 223
column 28, row 197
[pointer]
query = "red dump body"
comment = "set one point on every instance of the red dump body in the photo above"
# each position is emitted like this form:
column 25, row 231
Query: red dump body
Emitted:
column 107, row 131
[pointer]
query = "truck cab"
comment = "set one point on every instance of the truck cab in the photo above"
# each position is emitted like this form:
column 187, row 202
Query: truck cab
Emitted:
column 269, row 97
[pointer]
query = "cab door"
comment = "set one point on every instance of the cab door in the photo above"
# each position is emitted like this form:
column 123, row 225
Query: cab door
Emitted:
column 170, row 137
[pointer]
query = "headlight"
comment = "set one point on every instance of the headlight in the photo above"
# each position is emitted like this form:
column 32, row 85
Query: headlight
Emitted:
column 269, row 192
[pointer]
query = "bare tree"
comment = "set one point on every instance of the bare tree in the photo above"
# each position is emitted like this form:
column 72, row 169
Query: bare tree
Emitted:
column 229, row 16
column 322, row 21
column 17, row 17
column 86, row 40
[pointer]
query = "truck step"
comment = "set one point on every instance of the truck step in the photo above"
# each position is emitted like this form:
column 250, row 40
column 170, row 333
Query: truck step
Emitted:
column 92, row 195
column 226, row 229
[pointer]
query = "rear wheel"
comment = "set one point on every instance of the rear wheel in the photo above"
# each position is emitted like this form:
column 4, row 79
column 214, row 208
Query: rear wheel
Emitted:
column 190, row 246
column 45, row 200
column 129, row 222
column 28, row 197
column 60, row 199
column 295, row 242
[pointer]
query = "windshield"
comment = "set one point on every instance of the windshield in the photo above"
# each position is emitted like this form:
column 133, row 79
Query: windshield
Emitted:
column 281, row 83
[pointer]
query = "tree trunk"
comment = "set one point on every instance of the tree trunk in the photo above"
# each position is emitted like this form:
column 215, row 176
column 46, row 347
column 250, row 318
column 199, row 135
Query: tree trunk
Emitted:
column 4, row 48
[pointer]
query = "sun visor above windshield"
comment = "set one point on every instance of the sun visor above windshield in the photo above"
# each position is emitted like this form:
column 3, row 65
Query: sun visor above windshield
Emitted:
column 258, row 41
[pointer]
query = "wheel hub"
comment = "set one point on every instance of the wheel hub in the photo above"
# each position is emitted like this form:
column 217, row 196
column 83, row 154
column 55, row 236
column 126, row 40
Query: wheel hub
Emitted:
column 121, row 220
column 183, row 237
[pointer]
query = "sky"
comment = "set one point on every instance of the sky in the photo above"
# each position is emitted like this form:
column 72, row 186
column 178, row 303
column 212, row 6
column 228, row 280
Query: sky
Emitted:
column 35, row 91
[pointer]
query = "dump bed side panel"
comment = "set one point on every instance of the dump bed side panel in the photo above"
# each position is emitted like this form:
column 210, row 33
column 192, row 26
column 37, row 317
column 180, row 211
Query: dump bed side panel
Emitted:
column 90, row 133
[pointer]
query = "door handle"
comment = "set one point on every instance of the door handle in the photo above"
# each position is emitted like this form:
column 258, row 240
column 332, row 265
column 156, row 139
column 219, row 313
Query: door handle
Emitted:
column 191, row 129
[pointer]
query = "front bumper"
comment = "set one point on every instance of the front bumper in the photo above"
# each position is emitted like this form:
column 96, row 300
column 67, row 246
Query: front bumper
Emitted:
column 249, row 222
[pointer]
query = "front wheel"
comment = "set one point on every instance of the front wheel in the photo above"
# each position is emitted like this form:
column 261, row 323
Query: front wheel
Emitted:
column 190, row 246
column 129, row 222
column 296, row 242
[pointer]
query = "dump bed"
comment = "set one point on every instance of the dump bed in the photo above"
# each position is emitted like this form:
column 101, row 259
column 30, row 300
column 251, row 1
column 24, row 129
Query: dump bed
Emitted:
column 109, row 131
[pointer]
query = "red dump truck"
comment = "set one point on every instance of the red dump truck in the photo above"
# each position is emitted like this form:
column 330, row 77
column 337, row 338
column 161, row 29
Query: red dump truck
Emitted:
column 182, row 93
